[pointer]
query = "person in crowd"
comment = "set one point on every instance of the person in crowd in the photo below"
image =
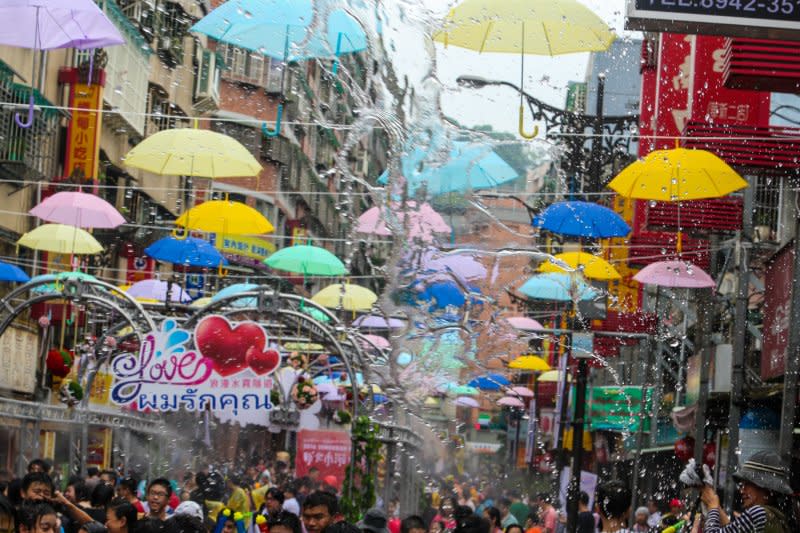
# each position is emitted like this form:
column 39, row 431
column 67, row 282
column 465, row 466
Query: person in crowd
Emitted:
column 437, row 526
column 413, row 524
column 518, row 508
column 77, row 492
column 7, row 513
column 533, row 524
column 586, row 522
column 92, row 477
column 446, row 513
column 313, row 476
column 108, row 477
column 126, row 490
column 655, row 513
column 273, row 502
column 36, row 486
column 40, row 465
column 374, row 521
column 158, row 493
column 514, row 528
column 284, row 522
column 429, row 510
column 613, row 503
column 764, row 488
column 290, row 502
column 184, row 523
column 37, row 517
column 152, row 525
column 492, row 514
column 547, row 513
column 472, row 524
column 320, row 510
column 121, row 516
column 506, row 518
column 640, row 518
column 100, row 499
column 73, row 516
column 238, row 502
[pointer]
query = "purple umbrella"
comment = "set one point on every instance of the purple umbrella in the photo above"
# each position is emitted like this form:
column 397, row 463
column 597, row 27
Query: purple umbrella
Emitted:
column 510, row 401
column 378, row 322
column 464, row 401
column 155, row 289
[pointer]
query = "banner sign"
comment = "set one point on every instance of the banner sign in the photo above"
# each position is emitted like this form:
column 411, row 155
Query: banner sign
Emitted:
column 229, row 369
column 618, row 408
column 777, row 313
column 83, row 138
column 238, row 245
column 588, row 485
column 328, row 451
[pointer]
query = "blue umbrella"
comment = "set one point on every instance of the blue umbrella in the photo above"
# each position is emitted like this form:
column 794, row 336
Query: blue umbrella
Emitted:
column 9, row 272
column 188, row 252
column 581, row 219
column 470, row 166
column 490, row 382
column 232, row 290
column 559, row 287
column 444, row 294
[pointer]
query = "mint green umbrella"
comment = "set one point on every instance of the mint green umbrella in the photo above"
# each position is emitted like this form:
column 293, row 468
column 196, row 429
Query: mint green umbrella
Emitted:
column 306, row 260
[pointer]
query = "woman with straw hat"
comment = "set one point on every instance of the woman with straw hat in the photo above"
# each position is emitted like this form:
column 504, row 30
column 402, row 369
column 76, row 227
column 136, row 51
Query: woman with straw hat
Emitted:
column 763, row 484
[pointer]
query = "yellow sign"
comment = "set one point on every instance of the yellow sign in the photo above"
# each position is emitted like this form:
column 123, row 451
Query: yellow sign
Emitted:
column 101, row 385
column 83, row 141
column 251, row 247
column 624, row 293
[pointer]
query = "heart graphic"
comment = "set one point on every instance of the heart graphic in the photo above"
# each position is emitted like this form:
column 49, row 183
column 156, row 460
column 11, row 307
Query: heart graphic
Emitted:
column 228, row 346
column 262, row 362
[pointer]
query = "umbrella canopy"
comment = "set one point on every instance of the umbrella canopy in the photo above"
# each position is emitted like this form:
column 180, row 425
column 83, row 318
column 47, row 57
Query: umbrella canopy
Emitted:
column 78, row 209
column 463, row 266
column 378, row 341
column 524, row 323
column 60, row 239
column 558, row 287
column 232, row 290
column 189, row 252
column 510, row 401
column 49, row 24
column 307, row 260
column 465, row 401
column 522, row 392
column 552, row 376
column 469, row 166
column 591, row 266
column 581, row 219
column 675, row 274
column 347, row 296
column 193, row 152
column 9, row 272
column 154, row 289
column 459, row 390
column 490, row 382
column 280, row 29
column 316, row 314
column 378, row 322
column 520, row 26
column 444, row 294
column 531, row 363
column 423, row 222
column 225, row 218
column 61, row 277
column 677, row 175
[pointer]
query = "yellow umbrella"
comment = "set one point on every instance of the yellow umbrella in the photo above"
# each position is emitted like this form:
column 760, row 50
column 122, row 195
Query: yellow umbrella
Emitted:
column 531, row 363
column 226, row 218
column 552, row 376
column 593, row 267
column 303, row 347
column 193, row 152
column 201, row 302
column 60, row 239
column 352, row 298
column 677, row 175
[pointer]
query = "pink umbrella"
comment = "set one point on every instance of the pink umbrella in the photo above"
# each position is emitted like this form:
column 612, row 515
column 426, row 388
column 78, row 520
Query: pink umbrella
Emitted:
column 522, row 392
column 423, row 223
column 510, row 401
column 155, row 289
column 524, row 323
column 465, row 401
column 78, row 209
column 377, row 341
column 462, row 265
column 678, row 274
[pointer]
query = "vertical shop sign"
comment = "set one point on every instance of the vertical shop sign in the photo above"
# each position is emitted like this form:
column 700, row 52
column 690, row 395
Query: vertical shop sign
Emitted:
column 83, row 138
column 777, row 313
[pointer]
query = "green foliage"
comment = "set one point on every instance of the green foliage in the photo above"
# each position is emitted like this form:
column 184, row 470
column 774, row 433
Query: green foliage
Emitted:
column 359, row 480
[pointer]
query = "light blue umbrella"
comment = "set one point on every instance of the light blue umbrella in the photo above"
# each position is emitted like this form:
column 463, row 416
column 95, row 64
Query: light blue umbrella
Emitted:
column 581, row 219
column 469, row 166
column 558, row 287
column 232, row 290
column 190, row 251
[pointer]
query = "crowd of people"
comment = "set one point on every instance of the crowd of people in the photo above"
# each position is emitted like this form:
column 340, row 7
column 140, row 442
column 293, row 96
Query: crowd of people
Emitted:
column 264, row 499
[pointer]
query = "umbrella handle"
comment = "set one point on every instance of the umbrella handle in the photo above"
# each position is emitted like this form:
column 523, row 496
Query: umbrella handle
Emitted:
column 335, row 66
column 275, row 132
column 222, row 271
column 522, row 126
column 29, row 122
column 181, row 235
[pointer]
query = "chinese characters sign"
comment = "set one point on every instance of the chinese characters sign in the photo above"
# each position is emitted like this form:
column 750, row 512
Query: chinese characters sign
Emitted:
column 777, row 313
column 83, row 140
column 229, row 368
column 328, row 451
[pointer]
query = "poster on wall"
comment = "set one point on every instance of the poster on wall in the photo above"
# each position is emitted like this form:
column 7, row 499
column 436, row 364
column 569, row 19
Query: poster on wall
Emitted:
column 219, row 365
column 19, row 355
column 328, row 451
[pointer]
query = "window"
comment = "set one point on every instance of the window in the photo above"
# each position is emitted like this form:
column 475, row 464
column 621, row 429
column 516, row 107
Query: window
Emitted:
column 251, row 68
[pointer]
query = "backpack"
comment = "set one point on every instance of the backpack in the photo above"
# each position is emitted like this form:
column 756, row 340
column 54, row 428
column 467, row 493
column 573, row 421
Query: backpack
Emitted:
column 776, row 522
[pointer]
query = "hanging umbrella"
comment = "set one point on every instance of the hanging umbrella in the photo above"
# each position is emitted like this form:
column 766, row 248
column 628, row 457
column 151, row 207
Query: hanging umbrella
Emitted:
column 347, row 296
column 591, row 266
column 524, row 323
column 675, row 274
column 59, row 279
column 463, row 266
column 306, row 260
column 154, row 289
column 423, row 222
column 465, row 401
column 510, row 401
column 189, row 252
column 232, row 290
column 60, row 239
column 193, row 152
column 443, row 294
column 225, row 218
column 378, row 322
column 552, row 376
column 531, row 363
column 78, row 209
column 522, row 392
column 558, row 287
column 581, row 219
column 316, row 314
column 9, row 272
column 459, row 390
column 469, row 166
column 201, row 302
column 490, row 382
column 378, row 341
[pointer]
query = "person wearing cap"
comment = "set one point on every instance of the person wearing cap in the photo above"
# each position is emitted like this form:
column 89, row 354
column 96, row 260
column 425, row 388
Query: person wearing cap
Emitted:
column 374, row 521
column 763, row 481
column 640, row 520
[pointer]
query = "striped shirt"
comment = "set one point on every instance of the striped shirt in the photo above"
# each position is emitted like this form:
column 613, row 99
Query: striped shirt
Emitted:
column 752, row 520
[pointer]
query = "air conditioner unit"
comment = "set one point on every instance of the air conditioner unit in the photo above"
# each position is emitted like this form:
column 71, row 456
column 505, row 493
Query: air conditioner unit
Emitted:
column 206, row 79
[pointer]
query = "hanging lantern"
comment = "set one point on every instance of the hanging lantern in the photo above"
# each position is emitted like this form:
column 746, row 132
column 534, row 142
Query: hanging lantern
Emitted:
column 684, row 449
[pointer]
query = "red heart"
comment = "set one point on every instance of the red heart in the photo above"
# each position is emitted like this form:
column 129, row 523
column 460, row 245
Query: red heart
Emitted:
column 227, row 346
column 262, row 362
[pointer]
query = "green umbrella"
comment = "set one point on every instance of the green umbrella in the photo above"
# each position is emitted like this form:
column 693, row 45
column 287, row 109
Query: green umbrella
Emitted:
column 307, row 260
column 459, row 390
column 59, row 279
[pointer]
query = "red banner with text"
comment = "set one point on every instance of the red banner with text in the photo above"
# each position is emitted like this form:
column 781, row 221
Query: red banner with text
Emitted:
column 328, row 451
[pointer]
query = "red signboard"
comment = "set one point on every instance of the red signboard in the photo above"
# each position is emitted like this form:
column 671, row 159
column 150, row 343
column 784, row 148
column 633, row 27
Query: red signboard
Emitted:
column 777, row 313
column 139, row 268
column 328, row 451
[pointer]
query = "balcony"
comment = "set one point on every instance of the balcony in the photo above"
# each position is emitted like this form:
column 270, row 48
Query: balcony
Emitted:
column 30, row 154
column 762, row 65
column 722, row 214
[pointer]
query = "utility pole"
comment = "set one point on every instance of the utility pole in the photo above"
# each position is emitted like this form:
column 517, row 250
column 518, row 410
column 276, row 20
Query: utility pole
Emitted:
column 792, row 361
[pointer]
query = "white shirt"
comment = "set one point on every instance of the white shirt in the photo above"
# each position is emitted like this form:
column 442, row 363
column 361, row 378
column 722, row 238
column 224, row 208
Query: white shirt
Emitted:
column 292, row 506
